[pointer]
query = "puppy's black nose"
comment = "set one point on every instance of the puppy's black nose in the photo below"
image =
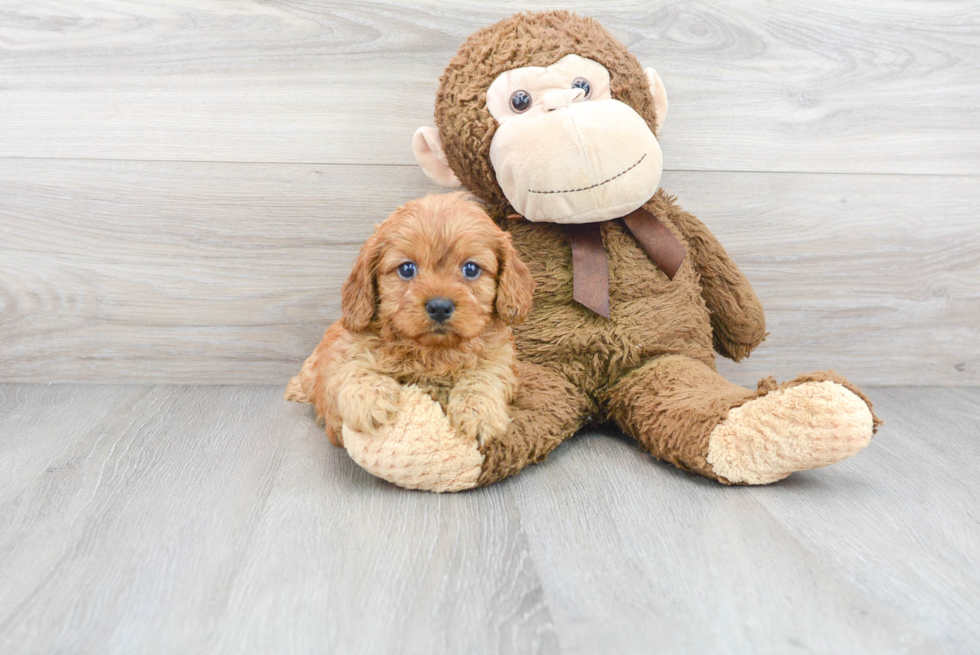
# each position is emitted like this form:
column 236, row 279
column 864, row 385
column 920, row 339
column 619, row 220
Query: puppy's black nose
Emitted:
column 440, row 309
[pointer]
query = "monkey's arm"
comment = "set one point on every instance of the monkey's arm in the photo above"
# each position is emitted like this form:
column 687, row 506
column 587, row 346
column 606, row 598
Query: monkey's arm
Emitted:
column 422, row 450
column 737, row 319
column 547, row 410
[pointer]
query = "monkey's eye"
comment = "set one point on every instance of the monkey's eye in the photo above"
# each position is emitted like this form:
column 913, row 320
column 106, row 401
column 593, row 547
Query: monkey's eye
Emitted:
column 520, row 101
column 407, row 270
column 471, row 270
column 582, row 83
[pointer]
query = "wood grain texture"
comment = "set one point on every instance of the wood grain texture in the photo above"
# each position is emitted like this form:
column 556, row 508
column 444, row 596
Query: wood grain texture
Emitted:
column 229, row 273
column 874, row 555
column 169, row 519
column 219, row 519
column 888, row 87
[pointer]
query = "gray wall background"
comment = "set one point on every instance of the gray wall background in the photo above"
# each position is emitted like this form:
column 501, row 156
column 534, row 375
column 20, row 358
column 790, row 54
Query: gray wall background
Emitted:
column 184, row 185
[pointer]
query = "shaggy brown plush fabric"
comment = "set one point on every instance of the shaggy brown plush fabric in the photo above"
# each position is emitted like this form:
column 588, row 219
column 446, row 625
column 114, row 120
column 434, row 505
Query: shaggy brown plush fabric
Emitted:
column 650, row 367
column 548, row 409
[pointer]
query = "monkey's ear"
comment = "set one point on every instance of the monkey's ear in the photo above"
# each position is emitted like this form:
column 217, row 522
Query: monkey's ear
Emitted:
column 659, row 96
column 427, row 145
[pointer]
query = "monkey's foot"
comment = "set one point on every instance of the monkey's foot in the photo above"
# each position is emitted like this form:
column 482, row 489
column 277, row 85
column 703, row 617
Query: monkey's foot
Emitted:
column 420, row 450
column 802, row 427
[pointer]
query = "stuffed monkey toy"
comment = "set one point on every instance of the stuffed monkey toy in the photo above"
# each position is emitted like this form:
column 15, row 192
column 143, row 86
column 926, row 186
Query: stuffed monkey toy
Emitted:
column 551, row 123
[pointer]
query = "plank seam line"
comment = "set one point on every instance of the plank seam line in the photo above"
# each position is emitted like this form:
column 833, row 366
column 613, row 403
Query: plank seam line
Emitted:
column 355, row 164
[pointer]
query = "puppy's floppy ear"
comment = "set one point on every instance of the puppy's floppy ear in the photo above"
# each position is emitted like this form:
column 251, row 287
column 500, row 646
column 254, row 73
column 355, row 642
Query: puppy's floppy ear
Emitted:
column 359, row 297
column 515, row 286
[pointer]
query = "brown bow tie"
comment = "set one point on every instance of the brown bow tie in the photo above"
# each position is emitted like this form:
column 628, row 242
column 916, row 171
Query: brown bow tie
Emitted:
column 590, row 265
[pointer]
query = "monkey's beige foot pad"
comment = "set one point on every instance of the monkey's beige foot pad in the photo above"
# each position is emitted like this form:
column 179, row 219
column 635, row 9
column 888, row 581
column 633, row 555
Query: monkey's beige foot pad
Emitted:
column 803, row 427
column 420, row 450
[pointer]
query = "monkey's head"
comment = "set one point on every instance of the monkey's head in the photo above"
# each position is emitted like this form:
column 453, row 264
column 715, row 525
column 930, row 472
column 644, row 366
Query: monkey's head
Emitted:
column 548, row 114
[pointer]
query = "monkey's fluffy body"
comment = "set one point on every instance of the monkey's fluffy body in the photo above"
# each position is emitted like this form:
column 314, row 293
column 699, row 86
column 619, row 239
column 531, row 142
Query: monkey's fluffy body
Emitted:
column 649, row 368
column 650, row 315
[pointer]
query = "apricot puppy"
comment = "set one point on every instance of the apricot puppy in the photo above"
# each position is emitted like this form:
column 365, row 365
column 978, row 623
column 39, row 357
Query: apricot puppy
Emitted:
column 429, row 302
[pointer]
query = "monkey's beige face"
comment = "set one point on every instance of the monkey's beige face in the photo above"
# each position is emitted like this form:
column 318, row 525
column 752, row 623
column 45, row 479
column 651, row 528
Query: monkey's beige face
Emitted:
column 565, row 151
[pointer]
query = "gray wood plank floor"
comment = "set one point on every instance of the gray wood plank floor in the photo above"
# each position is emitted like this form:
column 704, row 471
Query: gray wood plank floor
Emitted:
column 177, row 519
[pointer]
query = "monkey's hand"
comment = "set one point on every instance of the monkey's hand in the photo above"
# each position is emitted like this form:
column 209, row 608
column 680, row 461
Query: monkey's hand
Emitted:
column 420, row 450
column 369, row 402
column 737, row 319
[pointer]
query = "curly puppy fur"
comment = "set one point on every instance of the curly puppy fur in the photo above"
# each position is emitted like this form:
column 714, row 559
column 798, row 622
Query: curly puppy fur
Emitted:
column 386, row 339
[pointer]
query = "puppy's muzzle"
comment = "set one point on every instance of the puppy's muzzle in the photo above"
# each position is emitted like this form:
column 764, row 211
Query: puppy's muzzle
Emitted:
column 439, row 309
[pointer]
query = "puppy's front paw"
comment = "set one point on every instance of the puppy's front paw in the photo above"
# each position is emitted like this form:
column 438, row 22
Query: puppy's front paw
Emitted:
column 369, row 407
column 478, row 417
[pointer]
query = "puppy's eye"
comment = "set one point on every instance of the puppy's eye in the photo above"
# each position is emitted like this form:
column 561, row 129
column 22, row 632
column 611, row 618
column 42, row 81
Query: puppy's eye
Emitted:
column 407, row 270
column 471, row 270
column 520, row 101
column 582, row 83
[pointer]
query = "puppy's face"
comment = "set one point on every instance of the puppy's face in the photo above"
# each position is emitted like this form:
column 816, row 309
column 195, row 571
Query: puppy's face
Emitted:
column 441, row 270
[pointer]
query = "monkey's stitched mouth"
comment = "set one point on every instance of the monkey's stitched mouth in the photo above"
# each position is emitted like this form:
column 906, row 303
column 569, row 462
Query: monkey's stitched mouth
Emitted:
column 586, row 188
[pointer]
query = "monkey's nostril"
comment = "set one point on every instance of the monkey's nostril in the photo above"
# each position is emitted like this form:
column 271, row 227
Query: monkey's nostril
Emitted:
column 439, row 309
